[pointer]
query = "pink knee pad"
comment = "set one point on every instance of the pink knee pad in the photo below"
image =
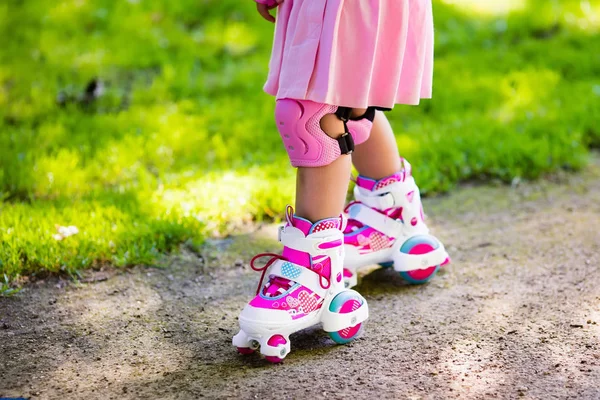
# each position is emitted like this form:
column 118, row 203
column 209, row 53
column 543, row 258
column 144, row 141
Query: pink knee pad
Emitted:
column 298, row 122
column 360, row 128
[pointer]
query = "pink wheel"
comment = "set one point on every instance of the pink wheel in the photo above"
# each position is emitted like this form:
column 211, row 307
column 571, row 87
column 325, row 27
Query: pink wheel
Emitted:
column 345, row 302
column 245, row 350
column 419, row 245
column 277, row 341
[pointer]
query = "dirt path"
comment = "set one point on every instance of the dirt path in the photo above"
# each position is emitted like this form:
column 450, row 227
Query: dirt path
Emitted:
column 516, row 315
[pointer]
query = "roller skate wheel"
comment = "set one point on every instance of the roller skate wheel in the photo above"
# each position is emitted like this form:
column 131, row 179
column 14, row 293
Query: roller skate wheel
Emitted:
column 245, row 350
column 280, row 342
column 419, row 245
column 345, row 302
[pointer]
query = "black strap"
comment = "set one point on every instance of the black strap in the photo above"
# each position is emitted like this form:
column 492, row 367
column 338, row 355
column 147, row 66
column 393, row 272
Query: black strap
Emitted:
column 344, row 113
column 346, row 141
column 369, row 114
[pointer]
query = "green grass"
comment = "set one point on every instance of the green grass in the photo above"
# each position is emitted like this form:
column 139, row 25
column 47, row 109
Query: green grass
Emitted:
column 181, row 144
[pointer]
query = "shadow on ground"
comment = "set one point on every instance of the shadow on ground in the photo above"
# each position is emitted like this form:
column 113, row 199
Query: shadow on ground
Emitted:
column 517, row 314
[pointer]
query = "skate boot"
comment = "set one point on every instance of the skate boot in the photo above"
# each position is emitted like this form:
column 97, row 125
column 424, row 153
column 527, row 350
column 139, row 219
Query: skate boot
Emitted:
column 304, row 287
column 386, row 226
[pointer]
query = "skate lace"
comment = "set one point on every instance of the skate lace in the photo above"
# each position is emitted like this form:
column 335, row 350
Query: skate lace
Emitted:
column 281, row 281
column 264, row 268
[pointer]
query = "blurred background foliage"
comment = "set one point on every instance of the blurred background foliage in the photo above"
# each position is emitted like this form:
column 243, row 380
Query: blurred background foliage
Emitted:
column 143, row 123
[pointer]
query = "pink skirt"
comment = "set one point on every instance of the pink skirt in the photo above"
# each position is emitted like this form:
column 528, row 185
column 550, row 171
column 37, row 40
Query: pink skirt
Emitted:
column 353, row 53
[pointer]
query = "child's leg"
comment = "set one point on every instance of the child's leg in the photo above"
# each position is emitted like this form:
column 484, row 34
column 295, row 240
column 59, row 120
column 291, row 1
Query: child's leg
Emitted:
column 378, row 157
column 321, row 191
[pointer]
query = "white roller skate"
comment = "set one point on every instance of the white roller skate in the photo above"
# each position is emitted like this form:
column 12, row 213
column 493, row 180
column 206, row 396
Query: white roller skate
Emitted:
column 305, row 287
column 386, row 226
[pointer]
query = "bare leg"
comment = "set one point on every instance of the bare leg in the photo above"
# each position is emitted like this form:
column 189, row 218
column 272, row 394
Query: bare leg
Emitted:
column 378, row 157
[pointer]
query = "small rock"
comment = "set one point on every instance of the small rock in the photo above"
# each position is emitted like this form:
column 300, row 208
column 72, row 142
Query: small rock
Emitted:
column 522, row 388
column 135, row 353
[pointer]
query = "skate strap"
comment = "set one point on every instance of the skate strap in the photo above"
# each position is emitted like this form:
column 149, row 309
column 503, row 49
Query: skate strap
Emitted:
column 299, row 274
column 411, row 262
column 376, row 220
column 395, row 195
column 322, row 243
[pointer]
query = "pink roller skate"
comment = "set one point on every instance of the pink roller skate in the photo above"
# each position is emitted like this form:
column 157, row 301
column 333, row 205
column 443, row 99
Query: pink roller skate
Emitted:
column 305, row 287
column 386, row 226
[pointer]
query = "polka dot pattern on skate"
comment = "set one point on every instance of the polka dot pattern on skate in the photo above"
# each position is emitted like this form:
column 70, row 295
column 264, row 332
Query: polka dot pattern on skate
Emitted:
column 308, row 302
column 378, row 241
column 386, row 182
column 329, row 224
column 290, row 271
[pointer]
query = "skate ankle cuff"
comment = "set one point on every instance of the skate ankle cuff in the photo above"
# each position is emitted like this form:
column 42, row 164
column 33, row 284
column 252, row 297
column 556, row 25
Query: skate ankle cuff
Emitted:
column 397, row 194
column 320, row 243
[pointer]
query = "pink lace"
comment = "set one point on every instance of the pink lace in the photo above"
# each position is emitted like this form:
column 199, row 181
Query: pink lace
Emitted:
column 274, row 258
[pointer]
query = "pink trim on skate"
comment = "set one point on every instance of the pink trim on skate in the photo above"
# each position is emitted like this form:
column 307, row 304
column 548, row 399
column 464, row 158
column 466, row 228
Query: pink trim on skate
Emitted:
column 331, row 245
column 365, row 183
column 370, row 184
column 369, row 241
column 298, row 303
column 388, row 181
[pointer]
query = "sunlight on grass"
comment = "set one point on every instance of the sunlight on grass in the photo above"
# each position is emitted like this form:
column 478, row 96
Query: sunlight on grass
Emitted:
column 586, row 18
column 223, row 200
column 526, row 93
column 238, row 38
column 489, row 7
column 408, row 144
